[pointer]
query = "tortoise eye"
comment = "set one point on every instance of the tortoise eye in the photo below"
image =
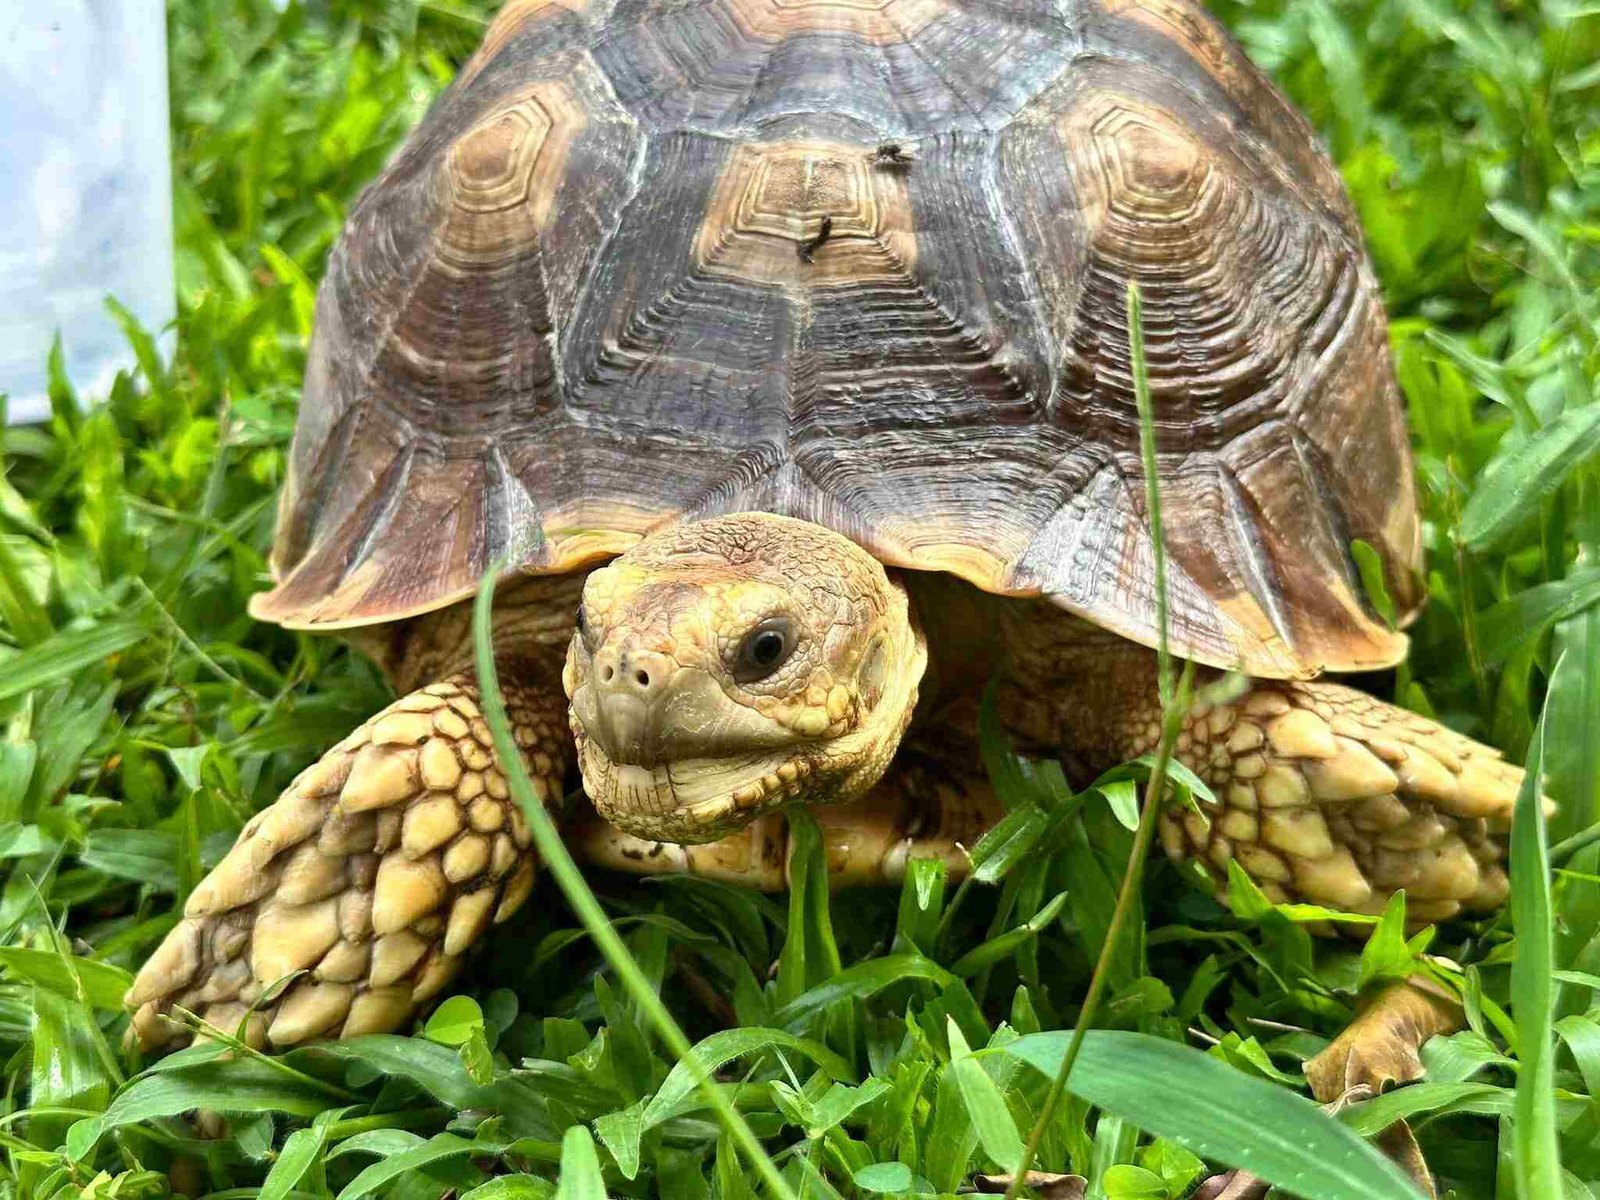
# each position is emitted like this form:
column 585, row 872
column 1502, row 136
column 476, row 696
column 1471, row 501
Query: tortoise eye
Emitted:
column 583, row 627
column 764, row 649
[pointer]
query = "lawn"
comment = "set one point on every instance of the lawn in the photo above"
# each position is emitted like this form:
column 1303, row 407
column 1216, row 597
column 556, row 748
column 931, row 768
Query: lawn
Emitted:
column 146, row 717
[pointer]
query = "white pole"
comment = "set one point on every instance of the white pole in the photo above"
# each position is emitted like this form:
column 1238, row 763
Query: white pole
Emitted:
column 85, row 188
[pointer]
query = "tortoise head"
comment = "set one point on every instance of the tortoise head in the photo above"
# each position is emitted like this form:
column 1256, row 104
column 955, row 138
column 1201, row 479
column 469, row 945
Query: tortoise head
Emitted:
column 727, row 667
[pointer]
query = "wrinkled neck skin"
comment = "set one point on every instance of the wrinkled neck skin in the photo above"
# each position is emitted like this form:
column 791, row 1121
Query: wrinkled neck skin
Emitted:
column 725, row 668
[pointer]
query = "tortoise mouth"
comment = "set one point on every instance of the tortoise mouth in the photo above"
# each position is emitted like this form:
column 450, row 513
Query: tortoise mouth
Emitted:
column 691, row 800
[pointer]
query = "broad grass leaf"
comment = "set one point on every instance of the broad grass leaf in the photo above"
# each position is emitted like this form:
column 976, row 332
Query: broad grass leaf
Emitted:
column 620, row 1133
column 723, row 1047
column 580, row 1177
column 1126, row 1182
column 1527, row 614
column 1123, row 797
column 300, row 1149
column 436, row 1149
column 1011, row 839
column 1460, row 1056
column 921, row 904
column 102, row 984
column 64, row 654
column 20, row 608
column 434, row 1068
column 1387, row 955
column 810, row 954
column 1370, row 566
column 1510, row 490
column 1427, row 1099
column 841, row 1102
column 512, row 1187
column 1221, row 1113
column 1572, row 749
column 384, row 1143
column 69, row 1069
column 986, row 1106
column 142, row 855
column 995, row 949
column 885, row 1177
column 242, row 1086
column 1582, row 1038
column 17, row 760
column 950, row 1139
column 859, row 981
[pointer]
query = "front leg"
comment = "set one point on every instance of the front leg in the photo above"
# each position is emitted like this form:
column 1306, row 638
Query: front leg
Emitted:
column 1323, row 794
column 352, row 900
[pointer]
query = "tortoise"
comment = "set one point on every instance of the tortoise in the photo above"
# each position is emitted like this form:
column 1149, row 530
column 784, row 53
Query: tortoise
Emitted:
column 779, row 350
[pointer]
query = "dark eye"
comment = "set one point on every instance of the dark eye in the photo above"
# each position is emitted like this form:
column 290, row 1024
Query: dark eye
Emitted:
column 583, row 626
column 764, row 649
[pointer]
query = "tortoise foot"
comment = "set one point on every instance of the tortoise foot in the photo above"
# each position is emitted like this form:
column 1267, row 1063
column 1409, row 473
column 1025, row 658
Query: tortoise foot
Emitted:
column 351, row 901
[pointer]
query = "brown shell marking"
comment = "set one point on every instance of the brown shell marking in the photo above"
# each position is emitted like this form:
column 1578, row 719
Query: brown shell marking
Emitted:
column 772, row 199
column 513, row 20
column 878, row 21
column 575, row 309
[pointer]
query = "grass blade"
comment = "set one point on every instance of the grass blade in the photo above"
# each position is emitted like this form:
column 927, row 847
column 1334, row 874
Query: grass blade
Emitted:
column 580, row 1168
column 64, row 654
column 1220, row 1112
column 1174, row 704
column 1536, row 1161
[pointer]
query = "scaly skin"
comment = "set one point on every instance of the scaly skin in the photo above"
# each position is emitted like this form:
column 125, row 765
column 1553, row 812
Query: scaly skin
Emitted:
column 1324, row 794
column 685, row 735
column 352, row 900
column 679, row 738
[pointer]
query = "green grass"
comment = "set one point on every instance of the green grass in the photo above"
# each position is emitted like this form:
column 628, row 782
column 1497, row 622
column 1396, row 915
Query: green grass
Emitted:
column 145, row 716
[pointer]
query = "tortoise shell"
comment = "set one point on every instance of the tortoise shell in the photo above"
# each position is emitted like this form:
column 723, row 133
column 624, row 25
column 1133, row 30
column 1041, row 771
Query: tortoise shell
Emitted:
column 862, row 262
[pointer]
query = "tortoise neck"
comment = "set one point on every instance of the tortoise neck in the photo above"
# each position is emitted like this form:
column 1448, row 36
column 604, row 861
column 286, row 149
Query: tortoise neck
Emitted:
column 533, row 620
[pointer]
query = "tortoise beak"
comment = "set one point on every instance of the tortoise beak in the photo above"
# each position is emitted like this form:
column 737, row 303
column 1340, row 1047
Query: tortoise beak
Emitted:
column 630, row 692
column 643, row 707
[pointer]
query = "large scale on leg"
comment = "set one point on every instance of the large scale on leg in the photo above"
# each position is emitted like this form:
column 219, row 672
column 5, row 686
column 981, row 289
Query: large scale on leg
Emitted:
column 647, row 283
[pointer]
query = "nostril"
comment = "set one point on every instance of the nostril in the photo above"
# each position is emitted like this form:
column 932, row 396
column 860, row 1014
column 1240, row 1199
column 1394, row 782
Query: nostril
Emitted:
column 606, row 672
column 642, row 678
